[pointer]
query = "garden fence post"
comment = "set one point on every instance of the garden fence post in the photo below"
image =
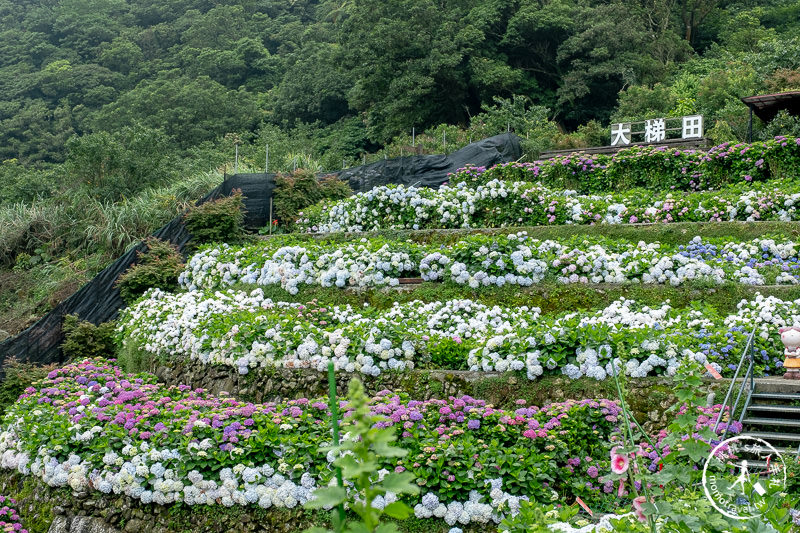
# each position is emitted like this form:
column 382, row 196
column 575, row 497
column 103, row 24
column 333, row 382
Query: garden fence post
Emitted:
column 236, row 160
column 266, row 164
column 270, row 215
column 413, row 137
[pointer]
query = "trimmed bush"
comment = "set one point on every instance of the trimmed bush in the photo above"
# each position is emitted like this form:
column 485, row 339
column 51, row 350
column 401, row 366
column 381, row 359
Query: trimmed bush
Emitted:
column 296, row 191
column 158, row 267
column 84, row 339
column 220, row 220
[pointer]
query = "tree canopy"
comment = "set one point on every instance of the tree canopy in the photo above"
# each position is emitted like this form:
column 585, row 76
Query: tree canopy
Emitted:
column 195, row 70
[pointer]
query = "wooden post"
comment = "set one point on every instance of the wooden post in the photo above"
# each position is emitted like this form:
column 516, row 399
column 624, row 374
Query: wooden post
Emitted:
column 236, row 164
column 413, row 137
column 270, row 215
column 266, row 164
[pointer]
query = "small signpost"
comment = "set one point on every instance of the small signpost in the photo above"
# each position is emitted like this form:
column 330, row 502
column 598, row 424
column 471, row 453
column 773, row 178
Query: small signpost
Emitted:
column 657, row 130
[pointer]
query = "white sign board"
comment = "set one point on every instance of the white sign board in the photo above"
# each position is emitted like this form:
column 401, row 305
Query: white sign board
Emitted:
column 656, row 129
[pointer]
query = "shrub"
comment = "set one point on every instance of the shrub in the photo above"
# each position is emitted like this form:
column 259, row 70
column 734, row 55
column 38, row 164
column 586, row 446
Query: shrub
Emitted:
column 220, row 220
column 300, row 189
column 84, row 339
column 783, row 124
column 18, row 377
column 158, row 267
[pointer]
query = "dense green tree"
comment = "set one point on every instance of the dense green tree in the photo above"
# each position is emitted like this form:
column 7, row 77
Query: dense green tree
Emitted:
column 114, row 165
column 191, row 110
column 198, row 69
column 314, row 87
column 409, row 60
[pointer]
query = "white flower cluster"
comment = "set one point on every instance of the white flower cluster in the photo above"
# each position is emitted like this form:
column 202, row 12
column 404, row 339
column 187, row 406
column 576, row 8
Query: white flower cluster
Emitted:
column 513, row 259
column 291, row 266
column 766, row 313
column 459, row 206
column 141, row 473
column 196, row 325
column 474, row 510
column 145, row 473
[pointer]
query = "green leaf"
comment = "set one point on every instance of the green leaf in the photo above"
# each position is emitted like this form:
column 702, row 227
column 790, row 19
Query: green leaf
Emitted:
column 357, row 527
column 398, row 510
column 327, row 496
column 696, row 450
column 400, row 483
column 686, row 420
column 352, row 468
column 387, row 528
column 387, row 450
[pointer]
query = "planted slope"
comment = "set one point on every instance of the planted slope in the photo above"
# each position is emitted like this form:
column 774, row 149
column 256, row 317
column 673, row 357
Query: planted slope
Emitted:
column 246, row 330
column 493, row 260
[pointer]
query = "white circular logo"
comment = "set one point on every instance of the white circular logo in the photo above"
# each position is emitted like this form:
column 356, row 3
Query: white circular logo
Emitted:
column 750, row 469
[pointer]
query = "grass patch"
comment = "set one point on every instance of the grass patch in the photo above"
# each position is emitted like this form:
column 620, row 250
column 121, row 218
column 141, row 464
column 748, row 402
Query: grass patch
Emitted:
column 550, row 297
column 29, row 291
column 133, row 359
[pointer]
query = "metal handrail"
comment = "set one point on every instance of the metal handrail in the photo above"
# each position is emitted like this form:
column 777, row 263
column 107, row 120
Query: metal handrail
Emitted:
column 748, row 378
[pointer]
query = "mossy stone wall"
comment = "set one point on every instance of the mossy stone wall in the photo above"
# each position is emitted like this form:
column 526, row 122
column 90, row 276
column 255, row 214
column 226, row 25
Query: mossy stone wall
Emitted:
column 649, row 398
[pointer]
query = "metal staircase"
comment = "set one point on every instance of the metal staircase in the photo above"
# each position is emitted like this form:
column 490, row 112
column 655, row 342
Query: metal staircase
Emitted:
column 775, row 418
column 770, row 410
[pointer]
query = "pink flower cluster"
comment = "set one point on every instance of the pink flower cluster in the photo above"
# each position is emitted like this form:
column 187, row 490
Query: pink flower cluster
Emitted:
column 9, row 517
column 96, row 398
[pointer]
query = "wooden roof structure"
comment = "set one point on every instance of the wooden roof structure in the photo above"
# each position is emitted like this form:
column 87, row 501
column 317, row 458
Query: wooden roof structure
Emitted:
column 766, row 106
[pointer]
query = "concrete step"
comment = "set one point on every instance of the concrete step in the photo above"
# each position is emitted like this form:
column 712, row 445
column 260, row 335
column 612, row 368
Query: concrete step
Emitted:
column 774, row 437
column 772, row 397
column 790, row 411
column 779, row 422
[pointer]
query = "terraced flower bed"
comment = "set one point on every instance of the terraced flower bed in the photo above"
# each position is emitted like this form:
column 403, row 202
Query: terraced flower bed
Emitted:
column 655, row 168
column 496, row 260
column 90, row 427
column 246, row 330
column 500, row 203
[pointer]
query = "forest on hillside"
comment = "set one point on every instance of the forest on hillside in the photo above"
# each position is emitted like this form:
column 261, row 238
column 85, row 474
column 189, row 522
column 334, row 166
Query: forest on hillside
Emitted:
column 354, row 74
column 114, row 114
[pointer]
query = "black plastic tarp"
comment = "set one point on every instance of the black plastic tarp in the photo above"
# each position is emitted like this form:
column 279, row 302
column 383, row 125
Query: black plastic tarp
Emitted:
column 432, row 170
column 99, row 301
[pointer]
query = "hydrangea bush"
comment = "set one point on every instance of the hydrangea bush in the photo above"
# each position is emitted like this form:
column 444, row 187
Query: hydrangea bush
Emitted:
column 91, row 427
column 9, row 517
column 480, row 260
column 655, row 168
column 246, row 330
column 500, row 203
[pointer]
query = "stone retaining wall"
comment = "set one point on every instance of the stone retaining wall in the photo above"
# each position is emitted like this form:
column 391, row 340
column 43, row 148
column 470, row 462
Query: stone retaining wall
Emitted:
column 649, row 397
